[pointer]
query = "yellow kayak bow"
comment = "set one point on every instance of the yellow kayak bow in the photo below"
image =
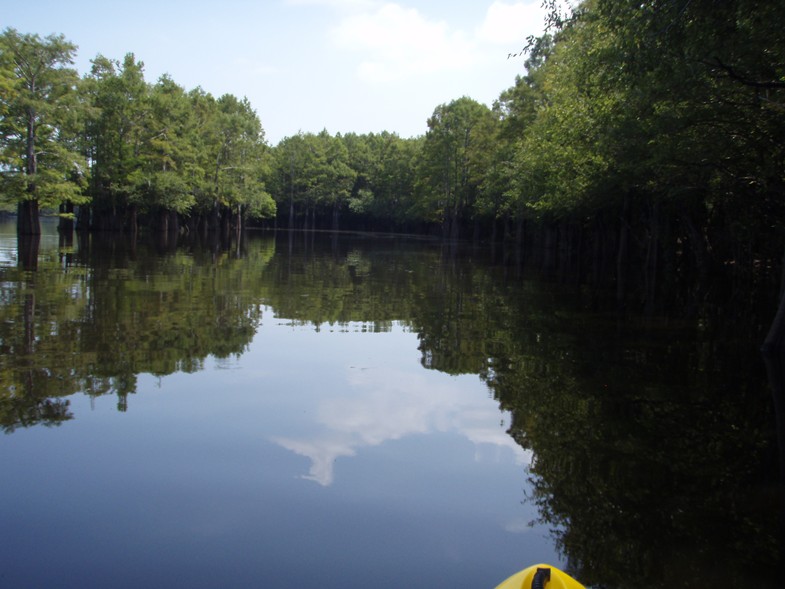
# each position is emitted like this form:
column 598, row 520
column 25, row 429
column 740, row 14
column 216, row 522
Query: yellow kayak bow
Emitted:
column 540, row 576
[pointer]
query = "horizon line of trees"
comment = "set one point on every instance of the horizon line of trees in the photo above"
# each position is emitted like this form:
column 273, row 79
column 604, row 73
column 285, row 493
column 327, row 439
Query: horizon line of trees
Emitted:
column 113, row 148
column 644, row 141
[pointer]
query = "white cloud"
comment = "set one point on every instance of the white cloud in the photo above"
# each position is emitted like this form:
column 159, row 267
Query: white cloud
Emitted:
column 507, row 24
column 397, row 42
column 518, row 526
column 323, row 453
column 335, row 4
column 383, row 405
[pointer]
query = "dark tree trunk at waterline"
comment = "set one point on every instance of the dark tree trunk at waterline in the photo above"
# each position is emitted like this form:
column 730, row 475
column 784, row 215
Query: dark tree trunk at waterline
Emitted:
column 28, row 221
column 776, row 335
column 66, row 223
column 27, row 246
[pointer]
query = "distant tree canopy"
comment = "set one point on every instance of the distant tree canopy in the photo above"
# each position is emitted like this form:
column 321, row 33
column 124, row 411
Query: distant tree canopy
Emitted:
column 642, row 140
column 121, row 147
column 39, row 156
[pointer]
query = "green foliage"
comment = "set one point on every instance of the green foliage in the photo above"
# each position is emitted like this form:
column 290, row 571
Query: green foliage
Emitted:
column 160, row 148
column 369, row 177
column 386, row 174
column 39, row 127
column 238, row 158
column 453, row 165
column 664, row 118
column 8, row 80
column 96, row 325
column 312, row 172
column 167, row 149
column 660, row 98
column 118, row 99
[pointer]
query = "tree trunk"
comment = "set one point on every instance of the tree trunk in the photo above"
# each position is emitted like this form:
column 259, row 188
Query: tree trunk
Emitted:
column 28, row 221
column 133, row 221
column 66, row 223
column 574, row 251
column 621, row 253
column 83, row 218
column 775, row 370
column 455, row 224
column 29, row 308
column 652, row 255
column 174, row 224
column 65, row 241
column 163, row 221
column 27, row 246
column 776, row 336
column 698, row 247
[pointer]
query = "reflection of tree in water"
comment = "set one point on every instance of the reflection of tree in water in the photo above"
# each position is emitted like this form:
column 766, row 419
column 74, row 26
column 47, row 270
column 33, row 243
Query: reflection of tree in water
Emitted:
column 654, row 457
column 121, row 309
column 320, row 280
column 23, row 411
column 93, row 327
column 653, row 460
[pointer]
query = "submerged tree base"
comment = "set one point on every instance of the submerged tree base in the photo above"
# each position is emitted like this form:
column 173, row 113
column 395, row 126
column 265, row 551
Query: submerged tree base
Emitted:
column 28, row 218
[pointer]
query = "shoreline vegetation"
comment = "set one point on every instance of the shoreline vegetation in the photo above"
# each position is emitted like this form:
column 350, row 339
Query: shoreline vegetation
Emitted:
column 641, row 149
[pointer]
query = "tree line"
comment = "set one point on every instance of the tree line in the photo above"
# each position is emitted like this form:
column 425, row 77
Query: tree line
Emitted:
column 642, row 141
column 112, row 149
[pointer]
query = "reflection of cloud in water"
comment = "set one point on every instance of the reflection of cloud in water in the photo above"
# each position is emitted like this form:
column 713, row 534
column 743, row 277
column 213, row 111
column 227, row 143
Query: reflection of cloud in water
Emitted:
column 322, row 452
column 518, row 526
column 388, row 405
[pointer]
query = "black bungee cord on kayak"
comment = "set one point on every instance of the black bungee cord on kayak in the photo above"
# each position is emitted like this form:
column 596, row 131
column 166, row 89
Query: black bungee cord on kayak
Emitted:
column 541, row 577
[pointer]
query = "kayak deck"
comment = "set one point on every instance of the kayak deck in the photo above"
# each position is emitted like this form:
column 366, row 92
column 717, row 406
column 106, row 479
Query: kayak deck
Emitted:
column 540, row 576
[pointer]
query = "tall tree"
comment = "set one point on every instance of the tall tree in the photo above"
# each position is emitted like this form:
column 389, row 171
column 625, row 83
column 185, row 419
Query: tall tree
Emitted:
column 289, row 176
column 167, row 152
column 516, row 109
column 41, row 165
column 335, row 177
column 118, row 95
column 459, row 133
column 239, row 161
column 312, row 174
column 386, row 171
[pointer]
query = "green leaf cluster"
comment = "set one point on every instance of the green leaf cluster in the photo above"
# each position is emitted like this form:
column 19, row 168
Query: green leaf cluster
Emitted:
column 40, row 158
column 158, row 148
column 119, row 146
column 650, row 129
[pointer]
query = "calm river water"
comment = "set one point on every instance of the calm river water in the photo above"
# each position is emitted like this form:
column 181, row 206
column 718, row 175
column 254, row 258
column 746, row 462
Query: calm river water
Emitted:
column 316, row 410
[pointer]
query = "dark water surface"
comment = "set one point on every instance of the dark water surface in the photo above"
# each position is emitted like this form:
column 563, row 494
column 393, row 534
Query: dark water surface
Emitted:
column 315, row 410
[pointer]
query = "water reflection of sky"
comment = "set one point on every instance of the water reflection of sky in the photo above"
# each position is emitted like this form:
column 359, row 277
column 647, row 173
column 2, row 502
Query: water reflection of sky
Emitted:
column 8, row 251
column 381, row 403
column 208, row 479
column 9, row 255
column 363, row 391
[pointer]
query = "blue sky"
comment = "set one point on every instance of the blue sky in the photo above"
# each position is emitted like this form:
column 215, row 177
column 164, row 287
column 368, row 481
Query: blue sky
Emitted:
column 307, row 65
